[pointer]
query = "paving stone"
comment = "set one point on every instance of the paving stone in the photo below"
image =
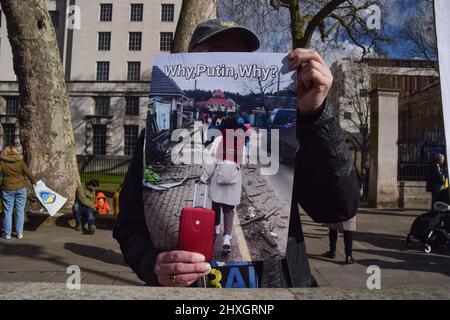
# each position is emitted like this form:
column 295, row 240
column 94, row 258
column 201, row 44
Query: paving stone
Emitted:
column 106, row 278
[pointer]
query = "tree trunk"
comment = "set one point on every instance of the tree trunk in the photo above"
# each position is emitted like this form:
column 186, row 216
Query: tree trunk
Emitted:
column 192, row 13
column 46, row 132
column 297, row 24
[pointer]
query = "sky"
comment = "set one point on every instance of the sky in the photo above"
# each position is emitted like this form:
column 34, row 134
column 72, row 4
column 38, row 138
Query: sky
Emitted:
column 393, row 20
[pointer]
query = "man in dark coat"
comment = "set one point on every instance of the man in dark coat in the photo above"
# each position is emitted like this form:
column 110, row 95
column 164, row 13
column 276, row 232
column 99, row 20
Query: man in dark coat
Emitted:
column 436, row 181
column 325, row 183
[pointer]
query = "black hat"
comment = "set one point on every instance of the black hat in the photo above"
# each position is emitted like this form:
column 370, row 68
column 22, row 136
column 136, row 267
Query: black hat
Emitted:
column 210, row 28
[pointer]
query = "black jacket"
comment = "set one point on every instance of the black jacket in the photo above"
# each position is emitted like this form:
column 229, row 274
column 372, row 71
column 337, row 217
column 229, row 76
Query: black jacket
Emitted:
column 325, row 185
column 436, row 178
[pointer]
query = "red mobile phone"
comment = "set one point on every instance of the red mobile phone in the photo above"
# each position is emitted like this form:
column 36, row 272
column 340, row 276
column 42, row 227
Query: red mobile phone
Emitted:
column 196, row 233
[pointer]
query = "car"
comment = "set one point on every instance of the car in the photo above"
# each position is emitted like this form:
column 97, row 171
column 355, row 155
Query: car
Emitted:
column 283, row 120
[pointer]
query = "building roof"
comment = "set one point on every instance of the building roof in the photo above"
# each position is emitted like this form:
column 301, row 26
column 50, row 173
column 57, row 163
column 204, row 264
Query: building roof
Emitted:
column 162, row 85
column 218, row 99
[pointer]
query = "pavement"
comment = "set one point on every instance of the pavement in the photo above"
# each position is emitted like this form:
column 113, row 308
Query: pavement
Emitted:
column 46, row 251
column 380, row 241
column 44, row 291
column 51, row 245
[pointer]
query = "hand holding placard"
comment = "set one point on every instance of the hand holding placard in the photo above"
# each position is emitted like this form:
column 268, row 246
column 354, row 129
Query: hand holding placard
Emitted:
column 314, row 79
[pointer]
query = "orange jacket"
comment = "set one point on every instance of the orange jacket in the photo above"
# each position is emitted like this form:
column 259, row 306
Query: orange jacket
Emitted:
column 102, row 209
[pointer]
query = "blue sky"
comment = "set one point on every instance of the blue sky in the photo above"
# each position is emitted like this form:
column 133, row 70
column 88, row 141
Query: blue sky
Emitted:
column 393, row 17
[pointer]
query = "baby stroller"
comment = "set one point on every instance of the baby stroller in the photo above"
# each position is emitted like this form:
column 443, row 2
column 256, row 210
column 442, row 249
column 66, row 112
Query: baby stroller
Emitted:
column 431, row 228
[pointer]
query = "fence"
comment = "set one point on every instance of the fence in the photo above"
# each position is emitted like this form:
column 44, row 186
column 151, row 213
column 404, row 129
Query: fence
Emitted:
column 416, row 149
column 413, row 171
column 106, row 169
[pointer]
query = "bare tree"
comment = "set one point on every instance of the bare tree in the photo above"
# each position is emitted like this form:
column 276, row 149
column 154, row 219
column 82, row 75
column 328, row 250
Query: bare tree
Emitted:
column 192, row 13
column 350, row 94
column 419, row 31
column 264, row 87
column 45, row 124
column 333, row 20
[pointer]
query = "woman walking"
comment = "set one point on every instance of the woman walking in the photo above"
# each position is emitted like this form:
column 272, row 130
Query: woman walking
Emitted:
column 14, row 191
column 223, row 174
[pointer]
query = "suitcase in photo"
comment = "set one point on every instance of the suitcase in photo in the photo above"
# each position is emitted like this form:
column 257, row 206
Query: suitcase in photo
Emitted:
column 196, row 233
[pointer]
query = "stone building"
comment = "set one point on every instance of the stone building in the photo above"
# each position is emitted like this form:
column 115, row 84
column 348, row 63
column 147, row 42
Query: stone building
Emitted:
column 354, row 80
column 107, row 60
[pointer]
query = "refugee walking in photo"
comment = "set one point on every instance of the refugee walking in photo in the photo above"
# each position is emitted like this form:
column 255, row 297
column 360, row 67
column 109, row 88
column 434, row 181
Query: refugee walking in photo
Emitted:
column 224, row 177
column 436, row 182
column 14, row 191
column 84, row 205
column 328, row 190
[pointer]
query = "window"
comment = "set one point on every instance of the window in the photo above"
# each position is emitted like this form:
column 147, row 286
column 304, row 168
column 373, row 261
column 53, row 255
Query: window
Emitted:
column 104, row 41
column 54, row 15
column 9, row 134
column 165, row 42
column 130, row 137
column 134, row 71
column 167, row 12
column 99, row 139
column 102, row 105
column 132, row 106
column 135, row 41
column 12, row 106
column 137, row 11
column 102, row 71
column 106, row 11
column 347, row 115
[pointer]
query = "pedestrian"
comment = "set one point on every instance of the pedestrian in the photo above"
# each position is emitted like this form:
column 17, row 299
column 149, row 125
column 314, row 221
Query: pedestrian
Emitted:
column 326, row 189
column 224, row 178
column 348, row 228
column 116, row 200
column 14, row 191
column 101, row 204
column 436, row 180
column 84, row 205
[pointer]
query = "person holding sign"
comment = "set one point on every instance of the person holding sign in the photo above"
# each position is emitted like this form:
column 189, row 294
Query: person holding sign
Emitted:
column 327, row 189
column 14, row 191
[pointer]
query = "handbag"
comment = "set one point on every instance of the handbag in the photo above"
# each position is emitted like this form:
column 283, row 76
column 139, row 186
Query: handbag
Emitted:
column 228, row 172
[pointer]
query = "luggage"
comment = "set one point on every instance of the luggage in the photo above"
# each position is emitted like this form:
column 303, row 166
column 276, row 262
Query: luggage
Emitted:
column 196, row 233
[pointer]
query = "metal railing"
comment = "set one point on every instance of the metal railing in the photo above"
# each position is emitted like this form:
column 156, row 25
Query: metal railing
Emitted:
column 413, row 171
column 106, row 169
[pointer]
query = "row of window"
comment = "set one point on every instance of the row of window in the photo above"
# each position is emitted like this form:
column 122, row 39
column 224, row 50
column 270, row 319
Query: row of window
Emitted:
column 133, row 72
column 102, row 106
column 130, row 134
column 98, row 139
column 137, row 12
column 134, row 41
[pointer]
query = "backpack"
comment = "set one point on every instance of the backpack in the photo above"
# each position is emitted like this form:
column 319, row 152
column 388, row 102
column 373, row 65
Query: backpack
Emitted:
column 228, row 172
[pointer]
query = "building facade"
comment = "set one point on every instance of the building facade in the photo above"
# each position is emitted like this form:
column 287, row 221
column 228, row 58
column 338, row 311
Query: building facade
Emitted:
column 354, row 80
column 107, row 60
